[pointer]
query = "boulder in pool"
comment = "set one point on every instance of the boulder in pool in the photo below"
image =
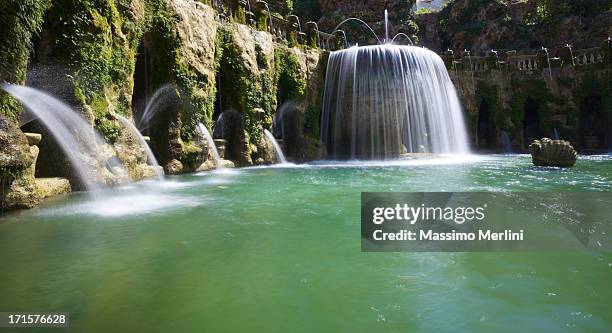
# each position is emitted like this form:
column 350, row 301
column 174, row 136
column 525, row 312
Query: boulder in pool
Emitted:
column 557, row 153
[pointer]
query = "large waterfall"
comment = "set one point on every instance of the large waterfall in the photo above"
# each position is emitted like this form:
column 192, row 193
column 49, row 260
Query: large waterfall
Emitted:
column 384, row 100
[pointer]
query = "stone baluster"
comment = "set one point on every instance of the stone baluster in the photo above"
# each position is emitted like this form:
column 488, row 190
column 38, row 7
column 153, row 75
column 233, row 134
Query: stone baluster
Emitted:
column 262, row 17
column 312, row 34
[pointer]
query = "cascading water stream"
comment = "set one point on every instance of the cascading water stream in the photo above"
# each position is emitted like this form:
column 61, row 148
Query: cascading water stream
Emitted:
column 143, row 143
column 386, row 26
column 160, row 98
column 548, row 62
column 77, row 139
column 506, row 143
column 211, row 145
column 384, row 100
column 277, row 149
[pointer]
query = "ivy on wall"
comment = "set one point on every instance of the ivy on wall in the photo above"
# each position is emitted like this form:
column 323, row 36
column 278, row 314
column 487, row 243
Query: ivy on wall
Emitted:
column 288, row 75
column 20, row 21
column 243, row 92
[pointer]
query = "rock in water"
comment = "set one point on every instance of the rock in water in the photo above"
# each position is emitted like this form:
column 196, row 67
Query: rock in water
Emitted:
column 547, row 152
column 174, row 167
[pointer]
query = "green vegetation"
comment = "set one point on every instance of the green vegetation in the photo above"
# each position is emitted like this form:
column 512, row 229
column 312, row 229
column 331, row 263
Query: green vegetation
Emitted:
column 423, row 11
column 309, row 10
column 288, row 75
column 549, row 11
column 460, row 24
column 536, row 89
column 487, row 93
column 20, row 21
column 243, row 91
column 97, row 40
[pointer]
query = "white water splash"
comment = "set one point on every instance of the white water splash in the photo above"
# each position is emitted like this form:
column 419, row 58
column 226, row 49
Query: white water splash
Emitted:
column 143, row 143
column 211, row 145
column 77, row 138
column 279, row 152
column 383, row 100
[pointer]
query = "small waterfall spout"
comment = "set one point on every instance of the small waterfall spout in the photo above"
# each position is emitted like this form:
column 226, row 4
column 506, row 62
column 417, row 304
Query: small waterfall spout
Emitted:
column 143, row 143
column 506, row 143
column 211, row 145
column 162, row 97
column 384, row 100
column 77, row 139
column 279, row 153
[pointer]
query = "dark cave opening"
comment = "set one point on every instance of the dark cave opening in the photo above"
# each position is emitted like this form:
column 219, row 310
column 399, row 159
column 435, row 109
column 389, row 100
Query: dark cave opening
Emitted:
column 531, row 121
column 47, row 71
column 155, row 103
column 228, row 118
column 230, row 127
column 594, row 125
column 485, row 130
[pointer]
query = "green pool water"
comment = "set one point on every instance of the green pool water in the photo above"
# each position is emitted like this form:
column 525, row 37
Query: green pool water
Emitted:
column 279, row 250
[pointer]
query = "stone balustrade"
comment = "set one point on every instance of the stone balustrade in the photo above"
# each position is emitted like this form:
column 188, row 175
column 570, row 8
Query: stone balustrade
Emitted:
column 528, row 63
column 264, row 16
column 595, row 55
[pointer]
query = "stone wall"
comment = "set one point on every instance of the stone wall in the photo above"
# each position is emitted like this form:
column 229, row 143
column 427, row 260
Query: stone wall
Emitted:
column 106, row 60
column 501, row 101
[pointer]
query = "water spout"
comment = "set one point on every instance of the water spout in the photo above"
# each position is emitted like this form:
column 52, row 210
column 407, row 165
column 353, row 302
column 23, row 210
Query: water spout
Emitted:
column 77, row 139
column 387, row 26
column 271, row 29
column 297, row 20
column 401, row 34
column 505, row 141
column 143, row 143
column 360, row 21
column 469, row 55
column 318, row 32
column 212, row 148
column 496, row 59
column 155, row 104
column 571, row 54
column 277, row 149
column 548, row 60
column 343, row 36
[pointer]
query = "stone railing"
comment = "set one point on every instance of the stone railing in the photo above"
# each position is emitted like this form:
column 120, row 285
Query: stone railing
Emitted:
column 524, row 62
column 595, row 55
column 263, row 16
column 528, row 63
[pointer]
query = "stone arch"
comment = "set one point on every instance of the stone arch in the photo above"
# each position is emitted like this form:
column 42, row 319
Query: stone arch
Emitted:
column 288, row 125
column 155, row 99
column 230, row 127
column 48, row 72
column 228, row 113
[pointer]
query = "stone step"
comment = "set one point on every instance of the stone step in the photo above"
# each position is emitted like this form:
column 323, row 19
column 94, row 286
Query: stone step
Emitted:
column 49, row 187
column 33, row 138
